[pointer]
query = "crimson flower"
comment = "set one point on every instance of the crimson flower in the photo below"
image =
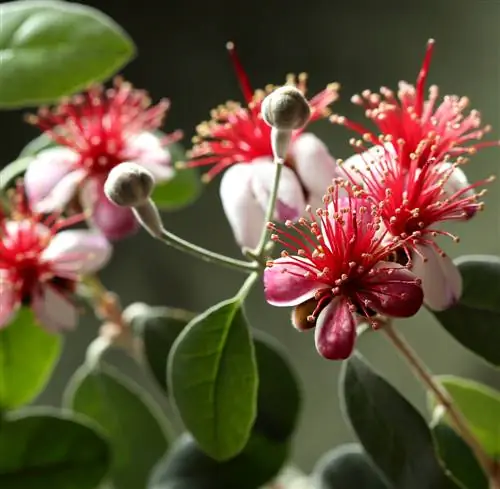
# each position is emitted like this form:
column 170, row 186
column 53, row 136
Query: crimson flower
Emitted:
column 40, row 264
column 237, row 140
column 95, row 131
column 337, row 269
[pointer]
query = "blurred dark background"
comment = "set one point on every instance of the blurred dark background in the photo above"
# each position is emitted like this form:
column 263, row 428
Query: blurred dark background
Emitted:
column 361, row 44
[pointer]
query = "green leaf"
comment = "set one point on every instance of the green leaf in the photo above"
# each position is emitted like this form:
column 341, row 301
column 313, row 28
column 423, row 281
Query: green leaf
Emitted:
column 213, row 378
column 481, row 407
column 390, row 429
column 183, row 189
column 44, row 141
column 28, row 355
column 474, row 321
column 458, row 458
column 189, row 467
column 54, row 450
column 50, row 49
column 347, row 466
column 279, row 395
column 159, row 327
column 13, row 170
column 129, row 418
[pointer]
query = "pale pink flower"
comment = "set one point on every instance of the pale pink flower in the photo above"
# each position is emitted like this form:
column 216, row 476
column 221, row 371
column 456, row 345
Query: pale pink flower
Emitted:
column 238, row 140
column 96, row 131
column 40, row 265
column 336, row 272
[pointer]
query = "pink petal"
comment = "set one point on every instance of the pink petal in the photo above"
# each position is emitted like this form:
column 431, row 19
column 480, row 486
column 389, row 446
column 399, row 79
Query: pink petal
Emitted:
column 54, row 311
column 392, row 291
column 441, row 279
column 314, row 165
column 114, row 222
column 244, row 213
column 455, row 183
column 8, row 300
column 335, row 331
column 147, row 150
column 46, row 171
column 78, row 250
column 285, row 283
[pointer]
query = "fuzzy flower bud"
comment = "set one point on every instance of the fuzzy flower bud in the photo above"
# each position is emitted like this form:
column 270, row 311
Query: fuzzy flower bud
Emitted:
column 129, row 185
column 285, row 110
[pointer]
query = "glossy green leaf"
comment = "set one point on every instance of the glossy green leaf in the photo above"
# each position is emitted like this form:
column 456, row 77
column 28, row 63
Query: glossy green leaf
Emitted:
column 390, row 429
column 481, row 407
column 475, row 320
column 213, row 378
column 50, row 49
column 128, row 416
column 458, row 458
column 183, row 189
column 13, row 170
column 159, row 327
column 189, row 467
column 44, row 141
column 347, row 466
column 28, row 355
column 51, row 450
column 279, row 394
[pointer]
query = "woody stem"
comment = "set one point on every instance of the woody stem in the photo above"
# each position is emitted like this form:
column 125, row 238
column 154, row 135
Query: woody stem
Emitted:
column 444, row 399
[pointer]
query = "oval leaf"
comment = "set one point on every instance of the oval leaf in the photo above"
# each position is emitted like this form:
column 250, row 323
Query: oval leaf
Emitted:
column 347, row 466
column 458, row 458
column 390, row 429
column 129, row 418
column 279, row 395
column 159, row 327
column 28, row 355
column 189, row 467
column 182, row 189
column 481, row 407
column 479, row 306
column 50, row 49
column 213, row 378
column 51, row 450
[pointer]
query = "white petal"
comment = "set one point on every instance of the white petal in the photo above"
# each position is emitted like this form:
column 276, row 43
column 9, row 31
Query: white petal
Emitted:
column 315, row 166
column 290, row 203
column 54, row 311
column 244, row 213
column 8, row 302
column 441, row 279
column 457, row 181
column 146, row 149
column 47, row 170
column 79, row 250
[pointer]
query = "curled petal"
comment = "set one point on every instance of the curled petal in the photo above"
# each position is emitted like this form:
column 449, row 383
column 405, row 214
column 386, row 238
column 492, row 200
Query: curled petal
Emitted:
column 8, row 301
column 54, row 311
column 244, row 213
column 335, row 331
column 290, row 202
column 78, row 250
column 314, row 165
column 113, row 221
column 457, row 182
column 47, row 170
column 441, row 279
column 392, row 291
column 285, row 284
column 147, row 150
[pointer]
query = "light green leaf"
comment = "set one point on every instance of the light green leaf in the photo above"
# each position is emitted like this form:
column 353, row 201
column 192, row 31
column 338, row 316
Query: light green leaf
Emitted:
column 13, row 170
column 213, row 378
column 51, row 450
column 28, row 355
column 183, row 189
column 474, row 320
column 128, row 416
column 481, row 407
column 49, row 49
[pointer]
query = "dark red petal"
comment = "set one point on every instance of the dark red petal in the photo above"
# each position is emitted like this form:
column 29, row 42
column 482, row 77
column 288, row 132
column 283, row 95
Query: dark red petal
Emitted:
column 335, row 331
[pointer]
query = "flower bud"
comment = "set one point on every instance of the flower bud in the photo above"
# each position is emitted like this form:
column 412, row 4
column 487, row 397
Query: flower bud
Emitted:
column 286, row 108
column 129, row 185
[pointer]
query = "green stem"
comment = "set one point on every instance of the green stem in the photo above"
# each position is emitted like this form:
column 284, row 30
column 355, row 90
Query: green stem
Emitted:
column 180, row 244
column 247, row 286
